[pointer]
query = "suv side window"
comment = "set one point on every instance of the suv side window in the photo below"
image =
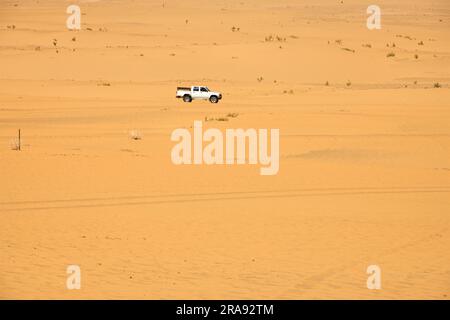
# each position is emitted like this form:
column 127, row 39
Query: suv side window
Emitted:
column 195, row 88
column 203, row 89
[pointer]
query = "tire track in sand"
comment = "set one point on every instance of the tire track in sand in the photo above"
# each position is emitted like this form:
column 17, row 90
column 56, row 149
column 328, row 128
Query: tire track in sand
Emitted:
column 54, row 204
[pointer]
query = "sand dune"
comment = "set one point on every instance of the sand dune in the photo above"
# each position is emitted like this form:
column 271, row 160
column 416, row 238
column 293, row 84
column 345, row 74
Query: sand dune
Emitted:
column 364, row 150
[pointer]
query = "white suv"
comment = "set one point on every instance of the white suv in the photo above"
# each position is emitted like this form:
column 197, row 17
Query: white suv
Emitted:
column 198, row 92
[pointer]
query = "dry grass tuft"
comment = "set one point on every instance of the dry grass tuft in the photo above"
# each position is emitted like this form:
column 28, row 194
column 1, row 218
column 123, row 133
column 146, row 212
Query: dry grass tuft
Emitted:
column 390, row 54
column 135, row 135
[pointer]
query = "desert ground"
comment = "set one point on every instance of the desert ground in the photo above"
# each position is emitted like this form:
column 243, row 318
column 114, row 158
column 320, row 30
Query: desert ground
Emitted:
column 364, row 179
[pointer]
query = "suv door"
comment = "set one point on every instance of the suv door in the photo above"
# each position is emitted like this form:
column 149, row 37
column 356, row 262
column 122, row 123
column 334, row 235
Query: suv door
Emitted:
column 196, row 93
column 204, row 93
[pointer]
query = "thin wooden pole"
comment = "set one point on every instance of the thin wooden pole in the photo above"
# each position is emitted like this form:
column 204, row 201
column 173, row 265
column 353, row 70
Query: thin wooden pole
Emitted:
column 19, row 139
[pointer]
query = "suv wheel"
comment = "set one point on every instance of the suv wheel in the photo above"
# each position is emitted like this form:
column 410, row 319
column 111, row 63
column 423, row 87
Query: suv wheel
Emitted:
column 187, row 98
column 214, row 99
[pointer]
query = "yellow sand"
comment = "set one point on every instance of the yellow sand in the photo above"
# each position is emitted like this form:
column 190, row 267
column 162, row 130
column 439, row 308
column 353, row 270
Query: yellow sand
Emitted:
column 364, row 166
